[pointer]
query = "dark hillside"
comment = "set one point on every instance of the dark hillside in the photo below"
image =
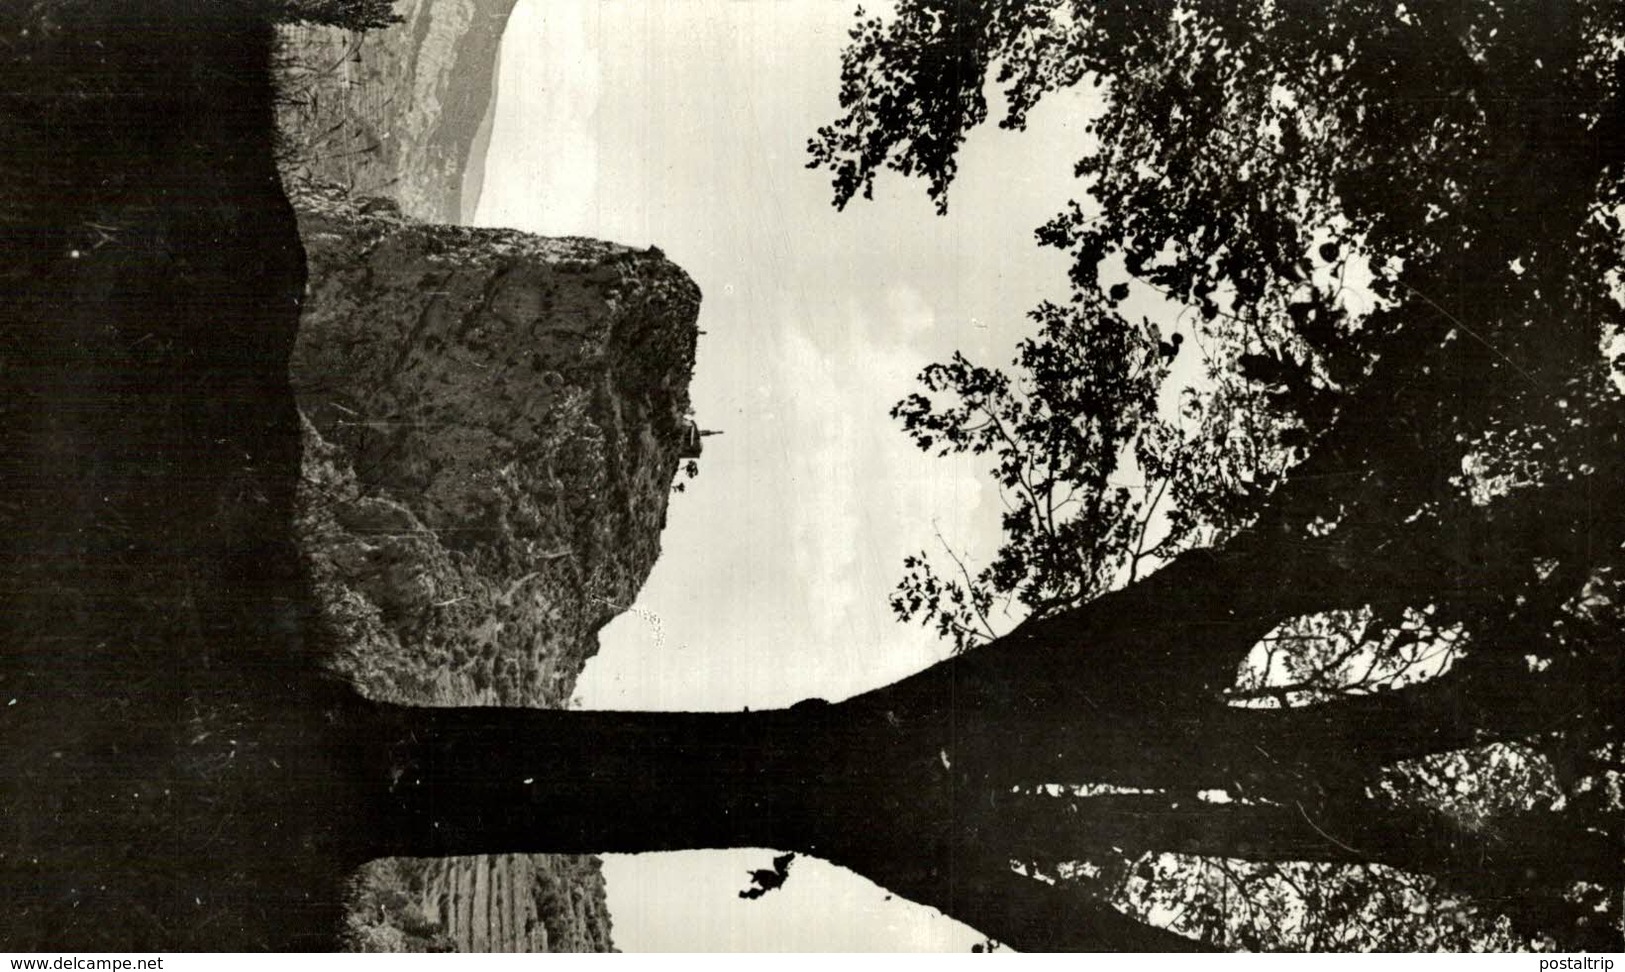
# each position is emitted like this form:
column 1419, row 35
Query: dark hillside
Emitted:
column 161, row 756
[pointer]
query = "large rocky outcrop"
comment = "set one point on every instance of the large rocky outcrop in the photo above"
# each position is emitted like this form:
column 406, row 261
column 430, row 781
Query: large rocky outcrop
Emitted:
column 491, row 427
column 402, row 112
column 492, row 422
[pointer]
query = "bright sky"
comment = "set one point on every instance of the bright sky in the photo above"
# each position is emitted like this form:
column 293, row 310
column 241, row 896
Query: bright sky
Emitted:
column 684, row 125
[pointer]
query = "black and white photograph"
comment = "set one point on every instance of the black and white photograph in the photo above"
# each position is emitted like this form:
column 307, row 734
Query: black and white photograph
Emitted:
column 738, row 476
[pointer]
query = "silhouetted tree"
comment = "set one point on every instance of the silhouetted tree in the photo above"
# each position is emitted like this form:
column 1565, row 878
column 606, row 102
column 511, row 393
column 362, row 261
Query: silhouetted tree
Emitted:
column 1380, row 559
column 1394, row 236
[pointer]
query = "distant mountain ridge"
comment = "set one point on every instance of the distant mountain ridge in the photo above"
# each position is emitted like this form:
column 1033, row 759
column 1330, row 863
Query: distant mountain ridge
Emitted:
column 403, row 112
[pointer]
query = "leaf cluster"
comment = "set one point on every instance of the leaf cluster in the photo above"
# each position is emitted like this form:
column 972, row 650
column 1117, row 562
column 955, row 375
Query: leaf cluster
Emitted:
column 1065, row 440
column 1394, row 238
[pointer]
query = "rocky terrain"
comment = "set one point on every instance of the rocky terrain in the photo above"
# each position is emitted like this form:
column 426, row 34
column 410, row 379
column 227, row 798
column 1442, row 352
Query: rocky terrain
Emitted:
column 496, row 903
column 492, row 422
column 402, row 112
column 490, row 426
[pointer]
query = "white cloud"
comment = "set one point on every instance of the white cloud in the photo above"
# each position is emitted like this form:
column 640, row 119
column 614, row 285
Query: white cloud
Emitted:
column 908, row 311
column 863, row 496
column 825, row 505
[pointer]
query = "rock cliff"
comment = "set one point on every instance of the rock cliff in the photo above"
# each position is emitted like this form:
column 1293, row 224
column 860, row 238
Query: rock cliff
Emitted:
column 402, row 112
column 492, row 423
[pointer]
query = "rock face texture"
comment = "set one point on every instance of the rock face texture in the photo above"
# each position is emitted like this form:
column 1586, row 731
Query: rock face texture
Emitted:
column 519, row 903
column 491, row 427
column 402, row 112
column 492, row 423
column 502, row 903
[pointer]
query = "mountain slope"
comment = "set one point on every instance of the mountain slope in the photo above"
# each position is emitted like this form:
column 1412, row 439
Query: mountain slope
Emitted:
column 397, row 112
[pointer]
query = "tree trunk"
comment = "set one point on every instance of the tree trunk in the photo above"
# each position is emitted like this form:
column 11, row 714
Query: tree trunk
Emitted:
column 807, row 779
column 911, row 784
column 903, row 783
column 914, row 805
column 490, row 780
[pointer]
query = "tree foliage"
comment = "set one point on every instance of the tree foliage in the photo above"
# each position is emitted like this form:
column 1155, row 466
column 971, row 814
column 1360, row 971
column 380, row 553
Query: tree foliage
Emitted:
column 1062, row 434
column 1394, row 237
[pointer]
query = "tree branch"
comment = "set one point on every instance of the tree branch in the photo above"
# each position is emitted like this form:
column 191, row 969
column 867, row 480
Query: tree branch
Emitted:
column 1028, row 914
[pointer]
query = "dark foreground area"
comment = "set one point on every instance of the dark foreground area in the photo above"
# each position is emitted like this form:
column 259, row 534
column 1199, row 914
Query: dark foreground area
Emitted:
column 176, row 772
column 185, row 761
column 161, row 764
